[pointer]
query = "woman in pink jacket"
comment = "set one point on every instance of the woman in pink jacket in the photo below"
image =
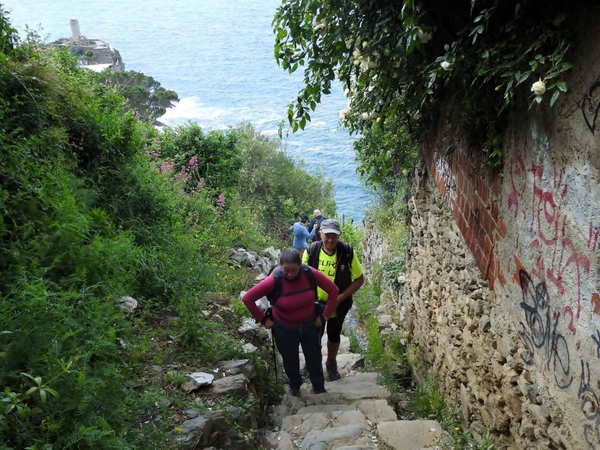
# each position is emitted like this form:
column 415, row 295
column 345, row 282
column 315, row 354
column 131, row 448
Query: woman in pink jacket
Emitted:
column 294, row 320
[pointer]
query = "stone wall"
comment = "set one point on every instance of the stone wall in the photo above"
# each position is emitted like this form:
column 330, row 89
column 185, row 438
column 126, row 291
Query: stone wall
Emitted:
column 502, row 290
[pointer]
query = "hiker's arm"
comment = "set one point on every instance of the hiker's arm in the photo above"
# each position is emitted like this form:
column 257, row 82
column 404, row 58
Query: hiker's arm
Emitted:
column 356, row 273
column 332, row 292
column 350, row 290
column 255, row 293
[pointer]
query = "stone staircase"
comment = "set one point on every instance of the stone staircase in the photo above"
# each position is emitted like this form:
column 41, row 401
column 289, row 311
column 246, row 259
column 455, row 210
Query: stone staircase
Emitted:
column 354, row 414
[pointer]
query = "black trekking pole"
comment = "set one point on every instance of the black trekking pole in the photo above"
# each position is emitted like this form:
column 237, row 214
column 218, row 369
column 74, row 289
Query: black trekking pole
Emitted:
column 274, row 355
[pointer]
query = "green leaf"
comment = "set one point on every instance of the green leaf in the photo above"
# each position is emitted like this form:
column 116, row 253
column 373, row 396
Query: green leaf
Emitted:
column 562, row 86
column 554, row 97
column 522, row 77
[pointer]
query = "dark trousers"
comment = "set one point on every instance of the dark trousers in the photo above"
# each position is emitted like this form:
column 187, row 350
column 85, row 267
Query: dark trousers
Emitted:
column 334, row 324
column 309, row 337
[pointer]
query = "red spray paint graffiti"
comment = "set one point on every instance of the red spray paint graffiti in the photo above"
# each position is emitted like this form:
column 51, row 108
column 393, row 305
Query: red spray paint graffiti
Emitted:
column 557, row 255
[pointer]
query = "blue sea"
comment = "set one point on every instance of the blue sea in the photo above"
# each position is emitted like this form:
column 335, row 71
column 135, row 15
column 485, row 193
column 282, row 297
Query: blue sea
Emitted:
column 218, row 56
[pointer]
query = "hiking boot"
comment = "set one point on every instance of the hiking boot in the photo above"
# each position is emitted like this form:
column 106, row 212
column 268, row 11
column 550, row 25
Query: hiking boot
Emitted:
column 320, row 391
column 295, row 391
column 332, row 371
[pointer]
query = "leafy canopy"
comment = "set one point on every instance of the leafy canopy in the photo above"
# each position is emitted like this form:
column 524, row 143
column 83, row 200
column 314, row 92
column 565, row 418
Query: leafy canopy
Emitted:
column 144, row 95
column 409, row 58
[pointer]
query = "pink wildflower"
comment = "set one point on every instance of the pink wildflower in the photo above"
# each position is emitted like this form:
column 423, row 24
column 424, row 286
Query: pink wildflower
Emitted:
column 166, row 167
column 221, row 201
column 182, row 174
column 193, row 161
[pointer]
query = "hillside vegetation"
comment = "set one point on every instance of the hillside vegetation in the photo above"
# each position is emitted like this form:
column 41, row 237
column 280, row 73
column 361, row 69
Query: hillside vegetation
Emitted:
column 96, row 205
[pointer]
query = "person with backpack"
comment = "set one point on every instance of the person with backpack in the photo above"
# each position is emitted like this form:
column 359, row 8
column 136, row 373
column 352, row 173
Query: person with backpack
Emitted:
column 293, row 318
column 301, row 234
column 338, row 261
column 317, row 219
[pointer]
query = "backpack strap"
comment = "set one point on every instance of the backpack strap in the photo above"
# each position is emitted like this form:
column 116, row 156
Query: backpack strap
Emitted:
column 311, row 278
column 313, row 254
column 278, row 283
column 345, row 249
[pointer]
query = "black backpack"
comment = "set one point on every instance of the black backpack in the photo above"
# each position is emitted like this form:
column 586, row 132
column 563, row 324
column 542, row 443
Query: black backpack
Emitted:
column 345, row 255
column 277, row 278
column 317, row 236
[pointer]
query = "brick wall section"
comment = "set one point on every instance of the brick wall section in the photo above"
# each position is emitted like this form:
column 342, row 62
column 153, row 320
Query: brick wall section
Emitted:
column 472, row 195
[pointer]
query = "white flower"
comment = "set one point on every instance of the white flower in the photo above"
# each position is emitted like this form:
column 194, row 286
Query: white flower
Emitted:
column 343, row 115
column 423, row 36
column 539, row 87
column 365, row 44
column 445, row 65
column 365, row 115
column 319, row 25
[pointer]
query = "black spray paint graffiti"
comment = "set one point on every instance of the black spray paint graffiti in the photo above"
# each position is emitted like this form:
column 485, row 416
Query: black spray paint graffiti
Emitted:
column 597, row 341
column 591, row 107
column 589, row 406
column 539, row 331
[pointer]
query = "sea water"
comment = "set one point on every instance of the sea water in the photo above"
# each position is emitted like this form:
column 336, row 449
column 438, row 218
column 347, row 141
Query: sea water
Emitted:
column 218, row 56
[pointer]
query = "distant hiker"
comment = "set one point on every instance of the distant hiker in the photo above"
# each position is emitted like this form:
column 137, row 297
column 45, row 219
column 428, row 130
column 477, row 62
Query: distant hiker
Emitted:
column 317, row 219
column 301, row 234
column 339, row 262
column 293, row 318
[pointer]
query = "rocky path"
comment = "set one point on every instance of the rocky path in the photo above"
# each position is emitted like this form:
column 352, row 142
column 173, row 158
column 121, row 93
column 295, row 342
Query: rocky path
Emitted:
column 354, row 414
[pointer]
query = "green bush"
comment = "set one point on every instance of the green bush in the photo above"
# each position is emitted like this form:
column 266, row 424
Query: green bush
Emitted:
column 89, row 213
column 275, row 187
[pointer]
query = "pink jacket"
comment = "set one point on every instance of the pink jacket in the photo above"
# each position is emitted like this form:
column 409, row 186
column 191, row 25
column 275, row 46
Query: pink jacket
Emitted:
column 297, row 308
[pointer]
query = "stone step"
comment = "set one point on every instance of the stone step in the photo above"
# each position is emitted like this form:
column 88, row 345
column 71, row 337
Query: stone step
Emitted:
column 410, row 434
column 328, row 438
column 354, row 414
column 375, row 411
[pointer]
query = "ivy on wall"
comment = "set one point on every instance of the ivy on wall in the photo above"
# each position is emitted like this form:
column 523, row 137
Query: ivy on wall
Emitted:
column 404, row 60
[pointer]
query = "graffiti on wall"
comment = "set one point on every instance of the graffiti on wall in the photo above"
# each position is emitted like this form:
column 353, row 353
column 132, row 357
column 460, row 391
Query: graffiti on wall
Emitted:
column 560, row 263
column 540, row 333
column 443, row 170
column 557, row 258
column 588, row 396
column 541, row 336
column 590, row 106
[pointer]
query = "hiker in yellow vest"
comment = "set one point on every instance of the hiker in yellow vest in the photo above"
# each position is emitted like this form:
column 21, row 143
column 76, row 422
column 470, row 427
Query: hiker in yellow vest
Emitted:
column 338, row 261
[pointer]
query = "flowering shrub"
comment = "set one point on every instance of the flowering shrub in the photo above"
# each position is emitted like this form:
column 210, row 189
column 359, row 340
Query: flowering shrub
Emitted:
column 411, row 58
